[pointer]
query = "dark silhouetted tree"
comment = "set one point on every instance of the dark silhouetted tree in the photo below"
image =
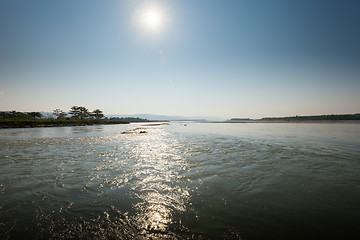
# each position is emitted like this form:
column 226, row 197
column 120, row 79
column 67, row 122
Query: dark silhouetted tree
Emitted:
column 80, row 113
column 98, row 114
column 59, row 113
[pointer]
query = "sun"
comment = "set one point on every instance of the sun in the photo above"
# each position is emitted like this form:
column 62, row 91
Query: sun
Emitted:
column 153, row 19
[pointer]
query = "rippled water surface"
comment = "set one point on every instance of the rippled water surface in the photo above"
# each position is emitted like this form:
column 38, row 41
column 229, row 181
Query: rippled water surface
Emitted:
column 181, row 181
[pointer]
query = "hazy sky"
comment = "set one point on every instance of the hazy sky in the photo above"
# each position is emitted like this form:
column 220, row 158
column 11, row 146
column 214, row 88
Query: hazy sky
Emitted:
column 240, row 58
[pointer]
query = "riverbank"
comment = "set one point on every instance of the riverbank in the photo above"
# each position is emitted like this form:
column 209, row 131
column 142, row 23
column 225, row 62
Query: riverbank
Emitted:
column 286, row 121
column 9, row 123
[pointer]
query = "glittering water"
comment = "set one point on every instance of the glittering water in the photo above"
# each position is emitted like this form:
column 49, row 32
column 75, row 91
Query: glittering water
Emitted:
column 181, row 181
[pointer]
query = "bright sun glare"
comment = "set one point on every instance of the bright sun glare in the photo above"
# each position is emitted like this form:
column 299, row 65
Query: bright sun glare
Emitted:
column 152, row 19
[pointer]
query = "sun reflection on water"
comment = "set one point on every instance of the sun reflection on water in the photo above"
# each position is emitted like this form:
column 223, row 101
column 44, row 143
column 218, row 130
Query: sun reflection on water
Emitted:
column 155, row 170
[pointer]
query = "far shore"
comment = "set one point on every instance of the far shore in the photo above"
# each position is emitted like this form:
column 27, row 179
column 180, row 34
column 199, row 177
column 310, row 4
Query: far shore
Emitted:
column 285, row 121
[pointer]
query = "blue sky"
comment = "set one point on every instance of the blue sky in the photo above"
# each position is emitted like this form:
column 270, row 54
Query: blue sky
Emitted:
column 240, row 58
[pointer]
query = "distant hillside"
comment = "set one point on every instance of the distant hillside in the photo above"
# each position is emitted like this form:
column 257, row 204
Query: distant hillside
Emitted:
column 340, row 117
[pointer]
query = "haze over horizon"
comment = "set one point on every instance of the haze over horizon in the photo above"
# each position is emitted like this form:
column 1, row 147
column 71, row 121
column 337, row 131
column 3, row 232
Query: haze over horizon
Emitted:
column 224, row 59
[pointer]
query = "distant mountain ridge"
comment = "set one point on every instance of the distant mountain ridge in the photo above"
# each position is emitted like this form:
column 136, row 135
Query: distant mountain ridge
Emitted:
column 166, row 117
column 152, row 117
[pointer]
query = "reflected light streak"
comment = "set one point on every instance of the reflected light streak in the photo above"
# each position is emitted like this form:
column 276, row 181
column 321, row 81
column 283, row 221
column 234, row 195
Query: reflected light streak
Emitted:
column 156, row 172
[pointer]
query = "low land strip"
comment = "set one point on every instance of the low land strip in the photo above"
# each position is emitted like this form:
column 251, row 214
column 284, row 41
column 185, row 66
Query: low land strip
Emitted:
column 20, row 123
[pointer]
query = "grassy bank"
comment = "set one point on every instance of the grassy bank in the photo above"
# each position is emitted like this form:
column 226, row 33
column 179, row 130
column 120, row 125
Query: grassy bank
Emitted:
column 20, row 123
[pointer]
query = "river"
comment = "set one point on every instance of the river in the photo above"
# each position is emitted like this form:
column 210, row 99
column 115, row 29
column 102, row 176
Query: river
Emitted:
column 181, row 181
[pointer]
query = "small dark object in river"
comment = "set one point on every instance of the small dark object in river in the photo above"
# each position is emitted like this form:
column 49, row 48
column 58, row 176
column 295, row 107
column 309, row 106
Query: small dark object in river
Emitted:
column 143, row 131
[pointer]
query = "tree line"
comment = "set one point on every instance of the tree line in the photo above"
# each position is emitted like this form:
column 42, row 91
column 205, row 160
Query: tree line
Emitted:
column 332, row 117
column 75, row 113
column 20, row 115
column 79, row 113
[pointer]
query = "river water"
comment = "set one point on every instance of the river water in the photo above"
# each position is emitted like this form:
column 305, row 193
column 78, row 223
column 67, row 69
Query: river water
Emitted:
column 181, row 181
